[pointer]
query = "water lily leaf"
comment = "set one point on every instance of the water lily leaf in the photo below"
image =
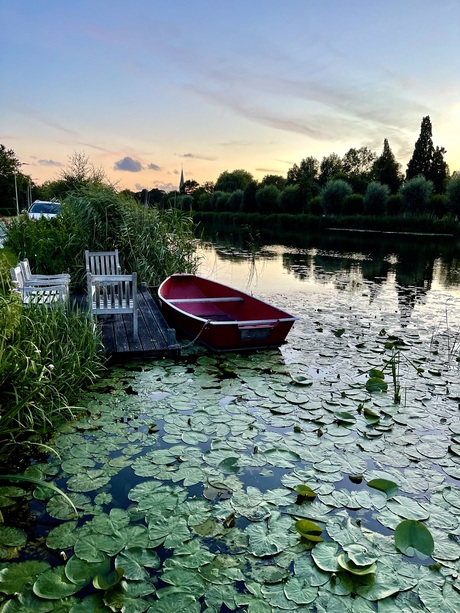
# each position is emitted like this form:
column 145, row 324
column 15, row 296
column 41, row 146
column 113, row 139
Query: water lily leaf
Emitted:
column 309, row 530
column 133, row 561
column 88, row 481
column 62, row 536
column 269, row 538
column 408, row 508
column 93, row 603
column 54, row 585
column 129, row 596
column 384, row 485
column 445, row 599
column 175, row 603
column 375, row 384
column 14, row 577
column 299, row 591
column 112, row 523
column 27, row 602
column 88, row 547
column 281, row 457
column 12, row 537
column 171, row 531
column 378, row 586
column 413, row 537
column 305, row 491
column 325, row 556
column 81, row 573
column 104, row 582
column 347, row 564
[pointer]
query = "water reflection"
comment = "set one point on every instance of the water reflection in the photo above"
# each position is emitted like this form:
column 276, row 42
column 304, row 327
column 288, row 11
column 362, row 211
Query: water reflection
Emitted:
column 405, row 268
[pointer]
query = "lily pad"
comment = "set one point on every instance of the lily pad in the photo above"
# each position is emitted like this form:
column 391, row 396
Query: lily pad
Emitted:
column 412, row 537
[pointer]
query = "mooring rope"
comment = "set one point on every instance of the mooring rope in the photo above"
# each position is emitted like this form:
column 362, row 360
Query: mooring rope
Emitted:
column 208, row 321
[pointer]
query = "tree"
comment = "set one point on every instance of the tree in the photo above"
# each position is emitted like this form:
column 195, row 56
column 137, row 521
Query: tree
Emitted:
column 387, row 170
column 439, row 171
column 422, row 157
column 9, row 167
column 267, row 199
column 290, row 200
column 376, row 198
column 333, row 196
column 358, row 161
column 79, row 173
column 453, row 195
column 415, row 195
column 189, row 187
column 276, row 180
column 306, row 177
column 329, row 168
column 231, row 181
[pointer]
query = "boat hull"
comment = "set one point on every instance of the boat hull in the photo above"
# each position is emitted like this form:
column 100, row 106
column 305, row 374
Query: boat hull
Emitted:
column 220, row 317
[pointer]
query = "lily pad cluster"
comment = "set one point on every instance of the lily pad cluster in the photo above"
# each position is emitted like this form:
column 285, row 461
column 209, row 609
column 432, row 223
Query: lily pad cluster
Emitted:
column 264, row 483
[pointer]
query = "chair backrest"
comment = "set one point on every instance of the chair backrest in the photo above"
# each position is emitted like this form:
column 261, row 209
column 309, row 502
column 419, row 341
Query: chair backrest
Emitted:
column 17, row 276
column 25, row 268
column 102, row 262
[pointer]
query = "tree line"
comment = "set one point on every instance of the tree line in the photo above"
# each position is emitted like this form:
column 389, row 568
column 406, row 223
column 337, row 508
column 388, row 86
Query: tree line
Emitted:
column 360, row 182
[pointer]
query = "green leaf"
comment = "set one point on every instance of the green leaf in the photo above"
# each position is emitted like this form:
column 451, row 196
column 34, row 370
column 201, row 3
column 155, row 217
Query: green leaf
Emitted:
column 412, row 537
column 104, row 582
column 325, row 556
column 14, row 577
column 81, row 573
column 375, row 384
column 305, row 491
column 300, row 591
column 309, row 530
column 12, row 537
column 347, row 564
column 390, row 488
column 54, row 585
column 63, row 536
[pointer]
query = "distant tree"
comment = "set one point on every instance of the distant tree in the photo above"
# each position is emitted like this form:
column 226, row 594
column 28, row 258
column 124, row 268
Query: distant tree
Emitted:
column 333, row 196
column 376, row 198
column 415, row 195
column 9, row 166
column 290, row 200
column 231, row 181
column 358, row 161
column 189, row 186
column 453, row 195
column 329, row 168
column 439, row 171
column 387, row 170
column 156, row 195
column 249, row 199
column 208, row 187
column 422, row 157
column 306, row 177
column 267, row 199
column 81, row 172
column 220, row 200
column 276, row 180
column 235, row 202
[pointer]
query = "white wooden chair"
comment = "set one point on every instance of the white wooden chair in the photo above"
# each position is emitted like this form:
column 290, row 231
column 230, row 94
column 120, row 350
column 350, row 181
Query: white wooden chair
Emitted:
column 110, row 292
column 36, row 293
column 30, row 279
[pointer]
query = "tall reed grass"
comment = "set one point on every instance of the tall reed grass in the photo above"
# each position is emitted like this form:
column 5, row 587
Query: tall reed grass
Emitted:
column 46, row 356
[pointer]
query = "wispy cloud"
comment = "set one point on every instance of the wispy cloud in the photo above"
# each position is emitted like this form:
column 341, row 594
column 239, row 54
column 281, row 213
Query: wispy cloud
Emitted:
column 274, row 171
column 128, row 164
column 196, row 156
column 153, row 167
column 49, row 163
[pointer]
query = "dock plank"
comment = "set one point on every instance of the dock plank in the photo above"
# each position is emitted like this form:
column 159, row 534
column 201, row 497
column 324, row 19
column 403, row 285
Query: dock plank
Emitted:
column 156, row 338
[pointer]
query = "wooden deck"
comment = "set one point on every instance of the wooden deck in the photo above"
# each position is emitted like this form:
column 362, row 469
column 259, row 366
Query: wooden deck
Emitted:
column 156, row 338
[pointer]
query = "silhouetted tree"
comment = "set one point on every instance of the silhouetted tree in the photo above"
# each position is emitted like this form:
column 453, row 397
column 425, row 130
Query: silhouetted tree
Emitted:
column 439, row 171
column 422, row 157
column 276, row 180
column 306, row 177
column 329, row 168
column 231, row 181
column 415, row 195
column 387, row 170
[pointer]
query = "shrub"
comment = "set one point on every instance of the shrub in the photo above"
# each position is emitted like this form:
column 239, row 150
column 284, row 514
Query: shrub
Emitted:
column 394, row 205
column 437, row 205
column 235, row 202
column 376, row 198
column 415, row 195
column 333, row 196
column 314, row 206
column 290, row 200
column 267, row 199
column 453, row 196
column 353, row 205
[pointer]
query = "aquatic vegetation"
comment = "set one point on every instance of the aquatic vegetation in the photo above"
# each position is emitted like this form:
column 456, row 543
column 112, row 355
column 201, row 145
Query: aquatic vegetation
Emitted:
column 187, row 477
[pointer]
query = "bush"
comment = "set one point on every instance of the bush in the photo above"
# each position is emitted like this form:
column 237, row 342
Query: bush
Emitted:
column 290, row 200
column 453, row 196
column 46, row 356
column 314, row 206
column 394, row 205
column 267, row 199
column 415, row 195
column 219, row 201
column 235, row 202
column 437, row 205
column 153, row 242
column 353, row 205
column 333, row 196
column 376, row 198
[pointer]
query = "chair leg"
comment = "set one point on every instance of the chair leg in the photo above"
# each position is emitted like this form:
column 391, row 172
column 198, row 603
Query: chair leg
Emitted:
column 135, row 326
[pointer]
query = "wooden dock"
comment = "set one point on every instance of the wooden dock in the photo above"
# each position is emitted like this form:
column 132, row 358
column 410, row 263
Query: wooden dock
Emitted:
column 156, row 338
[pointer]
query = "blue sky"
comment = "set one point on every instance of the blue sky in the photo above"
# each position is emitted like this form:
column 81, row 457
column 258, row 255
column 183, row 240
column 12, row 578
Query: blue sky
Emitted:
column 146, row 87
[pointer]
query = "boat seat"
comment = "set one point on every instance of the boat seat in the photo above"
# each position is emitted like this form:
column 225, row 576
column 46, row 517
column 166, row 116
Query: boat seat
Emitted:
column 217, row 299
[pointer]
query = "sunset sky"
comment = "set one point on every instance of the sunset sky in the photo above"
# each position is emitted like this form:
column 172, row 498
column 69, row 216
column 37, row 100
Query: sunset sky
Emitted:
column 147, row 87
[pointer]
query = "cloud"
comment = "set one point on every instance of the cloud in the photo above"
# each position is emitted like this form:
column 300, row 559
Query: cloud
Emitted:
column 49, row 163
column 153, row 167
column 128, row 164
column 274, row 171
column 197, row 157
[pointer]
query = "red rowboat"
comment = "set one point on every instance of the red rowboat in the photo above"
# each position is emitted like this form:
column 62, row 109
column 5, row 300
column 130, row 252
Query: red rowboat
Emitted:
column 221, row 317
